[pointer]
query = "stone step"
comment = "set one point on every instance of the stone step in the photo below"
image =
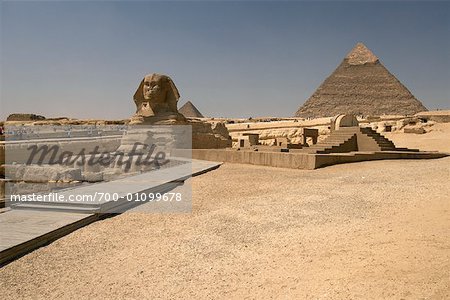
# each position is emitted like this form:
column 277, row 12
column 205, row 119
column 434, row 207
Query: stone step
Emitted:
column 341, row 133
column 326, row 144
column 384, row 143
column 337, row 138
column 325, row 147
column 332, row 142
column 341, row 136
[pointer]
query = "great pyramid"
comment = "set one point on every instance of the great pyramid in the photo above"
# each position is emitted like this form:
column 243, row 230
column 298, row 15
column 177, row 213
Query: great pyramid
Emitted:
column 360, row 85
column 190, row 111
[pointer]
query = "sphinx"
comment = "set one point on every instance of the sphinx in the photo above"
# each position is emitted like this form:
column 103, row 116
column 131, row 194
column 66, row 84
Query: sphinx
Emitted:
column 156, row 100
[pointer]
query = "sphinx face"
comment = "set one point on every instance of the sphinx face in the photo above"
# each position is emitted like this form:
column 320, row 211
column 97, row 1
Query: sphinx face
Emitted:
column 153, row 89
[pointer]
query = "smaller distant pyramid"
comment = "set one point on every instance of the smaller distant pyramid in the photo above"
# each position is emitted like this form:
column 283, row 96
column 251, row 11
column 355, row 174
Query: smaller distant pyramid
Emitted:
column 190, row 111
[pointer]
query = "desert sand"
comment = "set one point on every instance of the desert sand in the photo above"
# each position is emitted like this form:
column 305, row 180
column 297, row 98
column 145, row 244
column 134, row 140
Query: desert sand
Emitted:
column 438, row 139
column 372, row 230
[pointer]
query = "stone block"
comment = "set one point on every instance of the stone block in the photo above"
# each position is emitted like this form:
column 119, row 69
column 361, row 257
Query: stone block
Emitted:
column 93, row 177
column 416, row 130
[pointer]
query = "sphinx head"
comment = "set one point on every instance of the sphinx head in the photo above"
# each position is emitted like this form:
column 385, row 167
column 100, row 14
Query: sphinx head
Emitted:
column 156, row 94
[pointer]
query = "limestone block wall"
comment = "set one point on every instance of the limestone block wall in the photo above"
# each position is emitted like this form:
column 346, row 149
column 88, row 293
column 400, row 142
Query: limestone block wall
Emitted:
column 270, row 131
column 438, row 116
column 213, row 135
column 398, row 124
column 19, row 151
column 271, row 159
column 292, row 129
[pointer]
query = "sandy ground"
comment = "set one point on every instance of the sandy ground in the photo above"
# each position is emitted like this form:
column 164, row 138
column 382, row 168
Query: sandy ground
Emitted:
column 438, row 139
column 365, row 230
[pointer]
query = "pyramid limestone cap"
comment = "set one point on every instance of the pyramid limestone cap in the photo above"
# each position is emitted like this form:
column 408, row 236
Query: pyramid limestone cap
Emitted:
column 361, row 55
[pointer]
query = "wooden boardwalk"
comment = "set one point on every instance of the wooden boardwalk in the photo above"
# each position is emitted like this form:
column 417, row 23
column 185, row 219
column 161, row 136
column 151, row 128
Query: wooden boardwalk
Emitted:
column 33, row 225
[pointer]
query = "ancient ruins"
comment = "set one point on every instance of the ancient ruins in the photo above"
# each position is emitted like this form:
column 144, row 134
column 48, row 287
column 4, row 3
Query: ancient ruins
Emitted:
column 191, row 144
column 360, row 85
column 347, row 141
column 224, row 150
column 156, row 100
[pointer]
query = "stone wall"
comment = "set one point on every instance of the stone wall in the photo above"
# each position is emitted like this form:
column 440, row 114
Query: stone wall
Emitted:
column 270, row 131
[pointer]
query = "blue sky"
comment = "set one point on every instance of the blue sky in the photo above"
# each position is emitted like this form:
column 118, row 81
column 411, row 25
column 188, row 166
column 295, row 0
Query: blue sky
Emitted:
column 85, row 59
